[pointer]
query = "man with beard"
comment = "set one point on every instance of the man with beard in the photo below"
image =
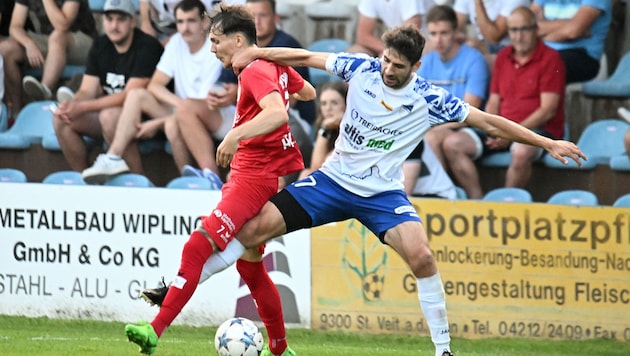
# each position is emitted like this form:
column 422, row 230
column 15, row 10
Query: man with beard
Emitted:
column 119, row 61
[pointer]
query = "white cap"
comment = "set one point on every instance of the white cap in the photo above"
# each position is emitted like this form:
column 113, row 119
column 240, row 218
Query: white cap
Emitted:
column 124, row 6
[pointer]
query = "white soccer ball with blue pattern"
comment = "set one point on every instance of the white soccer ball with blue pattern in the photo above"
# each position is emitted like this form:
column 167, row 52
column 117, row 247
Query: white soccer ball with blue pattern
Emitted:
column 238, row 337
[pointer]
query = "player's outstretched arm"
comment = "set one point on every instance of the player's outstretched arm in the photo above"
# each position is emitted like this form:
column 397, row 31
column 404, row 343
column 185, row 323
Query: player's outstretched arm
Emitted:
column 499, row 126
column 293, row 57
column 307, row 92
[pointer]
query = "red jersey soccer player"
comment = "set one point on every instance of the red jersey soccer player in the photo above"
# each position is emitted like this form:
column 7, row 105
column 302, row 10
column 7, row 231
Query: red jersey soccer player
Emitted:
column 259, row 149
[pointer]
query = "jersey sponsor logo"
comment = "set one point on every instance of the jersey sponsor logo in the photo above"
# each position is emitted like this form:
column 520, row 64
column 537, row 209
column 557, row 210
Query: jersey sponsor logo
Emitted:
column 368, row 92
column 354, row 115
column 384, row 144
column 288, row 141
column 353, row 134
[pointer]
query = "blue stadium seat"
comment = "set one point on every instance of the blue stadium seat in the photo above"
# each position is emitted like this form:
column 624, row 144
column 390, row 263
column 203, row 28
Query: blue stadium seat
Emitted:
column 64, row 177
column 4, row 117
column 11, row 175
column 620, row 163
column 68, row 71
column 508, row 194
column 332, row 45
column 190, row 182
column 130, row 180
column 617, row 85
column 32, row 124
column 622, row 201
column 600, row 140
column 460, row 193
column 574, row 197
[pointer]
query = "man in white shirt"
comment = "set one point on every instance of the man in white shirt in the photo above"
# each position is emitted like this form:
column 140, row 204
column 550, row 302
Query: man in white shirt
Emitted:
column 195, row 69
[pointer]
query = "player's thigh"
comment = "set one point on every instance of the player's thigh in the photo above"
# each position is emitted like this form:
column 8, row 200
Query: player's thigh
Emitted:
column 410, row 241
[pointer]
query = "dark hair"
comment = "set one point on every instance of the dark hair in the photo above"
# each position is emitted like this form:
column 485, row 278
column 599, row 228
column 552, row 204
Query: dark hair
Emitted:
column 228, row 20
column 442, row 13
column 187, row 5
column 406, row 40
column 271, row 2
column 340, row 87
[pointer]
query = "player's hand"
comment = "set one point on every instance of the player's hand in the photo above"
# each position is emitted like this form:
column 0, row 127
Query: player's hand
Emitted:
column 560, row 149
column 241, row 59
column 226, row 150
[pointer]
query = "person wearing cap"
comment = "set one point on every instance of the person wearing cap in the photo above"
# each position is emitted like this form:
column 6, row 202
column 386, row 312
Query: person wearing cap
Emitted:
column 122, row 59
column 61, row 33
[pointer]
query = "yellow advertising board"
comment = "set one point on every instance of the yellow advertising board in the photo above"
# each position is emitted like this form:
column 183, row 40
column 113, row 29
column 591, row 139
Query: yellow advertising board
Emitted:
column 509, row 270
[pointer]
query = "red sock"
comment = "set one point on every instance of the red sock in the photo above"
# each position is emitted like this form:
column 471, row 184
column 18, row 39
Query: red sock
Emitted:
column 268, row 302
column 196, row 252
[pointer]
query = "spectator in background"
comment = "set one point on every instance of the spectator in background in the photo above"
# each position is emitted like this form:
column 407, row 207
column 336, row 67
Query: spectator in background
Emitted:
column 332, row 105
column 157, row 17
column 456, row 67
column 577, row 29
column 376, row 13
column 188, row 61
column 6, row 9
column 64, row 32
column 527, row 87
column 425, row 176
column 122, row 59
column 489, row 18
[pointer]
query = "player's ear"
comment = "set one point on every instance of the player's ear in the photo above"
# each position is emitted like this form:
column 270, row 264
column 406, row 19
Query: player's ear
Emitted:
column 416, row 66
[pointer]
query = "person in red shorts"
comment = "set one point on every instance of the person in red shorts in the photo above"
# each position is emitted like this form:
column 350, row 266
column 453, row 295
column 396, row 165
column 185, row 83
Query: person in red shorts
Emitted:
column 259, row 149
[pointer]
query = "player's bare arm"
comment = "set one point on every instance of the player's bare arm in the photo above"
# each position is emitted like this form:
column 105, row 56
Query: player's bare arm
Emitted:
column 501, row 127
column 307, row 92
column 293, row 57
column 273, row 115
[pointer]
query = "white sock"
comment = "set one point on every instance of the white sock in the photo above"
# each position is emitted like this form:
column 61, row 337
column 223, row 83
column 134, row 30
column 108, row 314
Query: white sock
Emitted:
column 221, row 260
column 433, row 304
column 114, row 157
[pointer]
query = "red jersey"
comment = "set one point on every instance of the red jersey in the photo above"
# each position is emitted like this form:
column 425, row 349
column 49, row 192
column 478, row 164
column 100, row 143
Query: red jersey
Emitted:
column 275, row 154
column 520, row 85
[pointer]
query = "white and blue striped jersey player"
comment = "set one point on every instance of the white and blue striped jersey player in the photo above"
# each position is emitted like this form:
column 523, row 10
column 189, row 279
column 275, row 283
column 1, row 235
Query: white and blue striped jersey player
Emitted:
column 363, row 178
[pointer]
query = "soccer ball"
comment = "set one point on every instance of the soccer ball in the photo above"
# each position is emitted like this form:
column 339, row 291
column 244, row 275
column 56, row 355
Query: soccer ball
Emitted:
column 238, row 337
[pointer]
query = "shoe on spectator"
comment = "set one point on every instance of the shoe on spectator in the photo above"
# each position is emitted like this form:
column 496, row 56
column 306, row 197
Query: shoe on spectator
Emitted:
column 624, row 113
column 190, row 171
column 104, row 168
column 143, row 335
column 64, row 94
column 35, row 89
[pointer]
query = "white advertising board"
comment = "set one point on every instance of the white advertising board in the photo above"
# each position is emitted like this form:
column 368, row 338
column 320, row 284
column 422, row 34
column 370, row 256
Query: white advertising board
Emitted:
column 87, row 251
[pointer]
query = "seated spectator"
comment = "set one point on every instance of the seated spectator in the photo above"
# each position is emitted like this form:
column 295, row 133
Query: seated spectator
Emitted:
column 122, row 59
column 157, row 17
column 456, row 67
column 331, row 106
column 65, row 31
column 489, row 20
column 390, row 13
column 538, row 106
column 188, row 61
column 425, row 176
column 577, row 29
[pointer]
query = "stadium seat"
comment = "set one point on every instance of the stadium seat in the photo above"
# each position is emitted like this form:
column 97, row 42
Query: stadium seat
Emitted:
column 574, row 197
column 620, row 162
column 32, row 124
column 617, row 85
column 622, row 201
column 64, row 177
column 130, row 180
column 190, row 182
column 600, row 141
column 332, row 45
column 11, row 175
column 461, row 193
column 4, row 117
column 509, row 194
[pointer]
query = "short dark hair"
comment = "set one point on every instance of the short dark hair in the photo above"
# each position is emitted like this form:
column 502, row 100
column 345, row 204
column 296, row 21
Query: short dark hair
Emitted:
column 406, row 40
column 187, row 5
column 442, row 13
column 271, row 2
column 232, row 19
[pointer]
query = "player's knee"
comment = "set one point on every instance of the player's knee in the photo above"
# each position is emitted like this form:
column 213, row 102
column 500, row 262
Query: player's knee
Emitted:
column 422, row 262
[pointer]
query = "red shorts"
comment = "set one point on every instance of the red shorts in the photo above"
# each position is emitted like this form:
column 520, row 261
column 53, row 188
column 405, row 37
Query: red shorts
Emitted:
column 242, row 198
